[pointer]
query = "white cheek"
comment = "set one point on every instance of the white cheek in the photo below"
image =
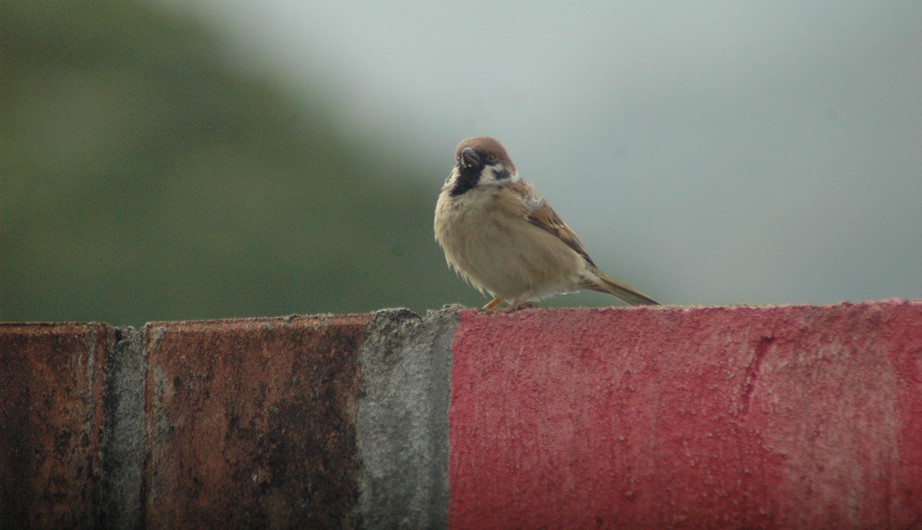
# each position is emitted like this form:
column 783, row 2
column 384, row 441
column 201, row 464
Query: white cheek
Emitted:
column 489, row 176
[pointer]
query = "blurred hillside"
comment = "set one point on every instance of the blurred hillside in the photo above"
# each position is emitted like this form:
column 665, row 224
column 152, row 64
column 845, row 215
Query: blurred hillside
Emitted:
column 144, row 177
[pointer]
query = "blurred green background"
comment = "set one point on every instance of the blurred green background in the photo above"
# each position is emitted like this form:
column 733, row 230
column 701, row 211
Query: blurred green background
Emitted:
column 166, row 160
column 145, row 178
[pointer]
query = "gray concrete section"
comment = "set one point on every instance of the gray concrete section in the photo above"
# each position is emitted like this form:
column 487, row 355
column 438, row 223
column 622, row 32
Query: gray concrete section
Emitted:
column 124, row 432
column 402, row 423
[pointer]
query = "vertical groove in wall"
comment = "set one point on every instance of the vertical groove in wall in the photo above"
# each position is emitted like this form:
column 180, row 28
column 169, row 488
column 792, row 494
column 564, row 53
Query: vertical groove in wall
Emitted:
column 124, row 432
column 402, row 424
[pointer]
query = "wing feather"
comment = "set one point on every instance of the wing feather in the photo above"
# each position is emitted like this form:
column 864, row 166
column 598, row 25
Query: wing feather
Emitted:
column 539, row 213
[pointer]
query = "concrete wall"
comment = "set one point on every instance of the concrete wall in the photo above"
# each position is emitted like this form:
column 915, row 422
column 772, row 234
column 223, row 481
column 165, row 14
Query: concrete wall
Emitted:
column 774, row 417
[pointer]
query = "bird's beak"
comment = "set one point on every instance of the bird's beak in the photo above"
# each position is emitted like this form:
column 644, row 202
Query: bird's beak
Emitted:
column 469, row 157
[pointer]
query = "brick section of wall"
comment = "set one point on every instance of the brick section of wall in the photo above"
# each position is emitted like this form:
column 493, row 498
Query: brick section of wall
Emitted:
column 51, row 423
column 251, row 423
column 784, row 417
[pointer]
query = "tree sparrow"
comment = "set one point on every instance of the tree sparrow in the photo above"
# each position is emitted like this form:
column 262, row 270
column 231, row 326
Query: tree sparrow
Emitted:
column 502, row 237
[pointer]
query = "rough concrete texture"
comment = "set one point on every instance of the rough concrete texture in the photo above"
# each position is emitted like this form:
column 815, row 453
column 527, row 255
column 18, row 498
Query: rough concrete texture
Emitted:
column 251, row 422
column 773, row 417
column 402, row 425
column 51, row 423
column 125, row 434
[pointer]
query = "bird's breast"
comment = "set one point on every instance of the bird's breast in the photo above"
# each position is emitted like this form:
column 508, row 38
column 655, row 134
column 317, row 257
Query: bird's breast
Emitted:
column 496, row 249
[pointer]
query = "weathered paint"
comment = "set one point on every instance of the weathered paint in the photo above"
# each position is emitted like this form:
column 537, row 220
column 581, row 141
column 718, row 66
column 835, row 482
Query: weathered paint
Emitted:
column 782, row 417
column 252, row 422
column 51, row 423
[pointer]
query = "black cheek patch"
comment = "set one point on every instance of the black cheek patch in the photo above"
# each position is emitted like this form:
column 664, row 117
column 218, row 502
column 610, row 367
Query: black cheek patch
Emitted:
column 501, row 174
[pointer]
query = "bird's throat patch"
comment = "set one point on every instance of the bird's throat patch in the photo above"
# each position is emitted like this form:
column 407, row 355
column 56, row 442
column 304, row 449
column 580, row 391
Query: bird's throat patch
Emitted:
column 468, row 178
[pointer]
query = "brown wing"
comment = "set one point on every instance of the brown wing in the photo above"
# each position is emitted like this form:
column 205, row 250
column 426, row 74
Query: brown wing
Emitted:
column 540, row 214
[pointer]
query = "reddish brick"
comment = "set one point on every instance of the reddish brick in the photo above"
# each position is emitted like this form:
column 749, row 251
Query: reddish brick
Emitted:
column 251, row 422
column 782, row 417
column 51, row 421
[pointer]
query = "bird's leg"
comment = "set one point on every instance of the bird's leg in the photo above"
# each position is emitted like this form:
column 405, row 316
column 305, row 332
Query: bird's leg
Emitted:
column 492, row 305
column 519, row 301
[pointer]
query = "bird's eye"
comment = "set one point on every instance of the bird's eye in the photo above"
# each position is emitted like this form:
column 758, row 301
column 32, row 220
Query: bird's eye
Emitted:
column 491, row 158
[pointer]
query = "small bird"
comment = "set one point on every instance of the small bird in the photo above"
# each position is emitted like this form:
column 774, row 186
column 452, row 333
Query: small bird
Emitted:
column 502, row 237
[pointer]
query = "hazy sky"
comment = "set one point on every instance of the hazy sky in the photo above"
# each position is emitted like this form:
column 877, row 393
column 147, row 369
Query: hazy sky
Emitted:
column 711, row 153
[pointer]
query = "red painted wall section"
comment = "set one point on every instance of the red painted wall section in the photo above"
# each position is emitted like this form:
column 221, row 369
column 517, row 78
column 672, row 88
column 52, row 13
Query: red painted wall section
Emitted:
column 51, row 423
column 251, row 422
column 779, row 417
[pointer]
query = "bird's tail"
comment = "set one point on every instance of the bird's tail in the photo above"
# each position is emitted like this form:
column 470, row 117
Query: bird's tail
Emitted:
column 609, row 285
